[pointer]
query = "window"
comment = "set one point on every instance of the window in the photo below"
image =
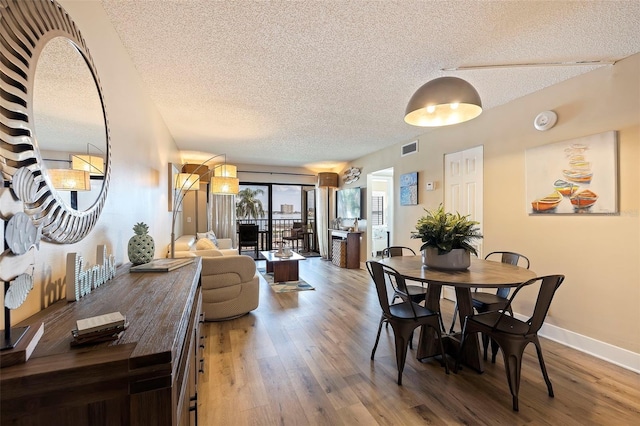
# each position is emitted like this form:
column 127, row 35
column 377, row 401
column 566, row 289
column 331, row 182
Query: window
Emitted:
column 377, row 210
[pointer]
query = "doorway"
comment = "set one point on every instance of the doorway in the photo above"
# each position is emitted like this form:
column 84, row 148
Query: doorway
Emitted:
column 380, row 212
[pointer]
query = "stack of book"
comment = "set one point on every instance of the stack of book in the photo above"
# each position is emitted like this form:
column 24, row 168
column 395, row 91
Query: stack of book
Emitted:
column 101, row 328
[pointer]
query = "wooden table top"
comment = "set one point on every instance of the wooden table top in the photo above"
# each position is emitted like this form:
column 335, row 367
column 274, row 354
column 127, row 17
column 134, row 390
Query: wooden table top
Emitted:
column 481, row 273
column 270, row 256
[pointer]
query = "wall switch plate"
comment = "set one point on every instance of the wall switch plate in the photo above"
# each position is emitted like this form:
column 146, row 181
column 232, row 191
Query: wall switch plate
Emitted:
column 188, row 219
column 431, row 186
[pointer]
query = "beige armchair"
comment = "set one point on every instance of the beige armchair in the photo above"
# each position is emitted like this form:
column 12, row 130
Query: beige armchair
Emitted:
column 230, row 287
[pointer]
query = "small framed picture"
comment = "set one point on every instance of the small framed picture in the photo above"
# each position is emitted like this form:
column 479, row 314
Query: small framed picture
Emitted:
column 409, row 189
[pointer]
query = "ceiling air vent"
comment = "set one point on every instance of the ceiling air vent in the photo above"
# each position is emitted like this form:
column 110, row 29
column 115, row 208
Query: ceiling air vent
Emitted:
column 408, row 149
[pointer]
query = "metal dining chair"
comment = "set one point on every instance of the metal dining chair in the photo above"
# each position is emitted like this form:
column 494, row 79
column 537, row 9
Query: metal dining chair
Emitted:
column 294, row 235
column 513, row 335
column 417, row 293
column 484, row 302
column 404, row 317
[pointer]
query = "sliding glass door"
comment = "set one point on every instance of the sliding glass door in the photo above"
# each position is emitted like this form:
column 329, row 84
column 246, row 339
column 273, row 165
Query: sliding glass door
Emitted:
column 275, row 208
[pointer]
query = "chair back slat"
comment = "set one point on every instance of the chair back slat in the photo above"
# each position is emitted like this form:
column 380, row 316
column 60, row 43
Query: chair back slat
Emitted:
column 548, row 287
column 248, row 233
column 397, row 251
column 377, row 274
column 383, row 274
column 511, row 258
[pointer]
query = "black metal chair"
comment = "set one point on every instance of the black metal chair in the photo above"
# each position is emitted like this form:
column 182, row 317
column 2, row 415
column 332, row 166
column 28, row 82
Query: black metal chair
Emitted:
column 404, row 317
column 397, row 251
column 248, row 237
column 513, row 335
column 295, row 234
column 417, row 293
column 484, row 302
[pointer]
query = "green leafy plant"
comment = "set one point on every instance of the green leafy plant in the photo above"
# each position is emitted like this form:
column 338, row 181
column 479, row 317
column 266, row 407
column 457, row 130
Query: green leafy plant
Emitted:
column 446, row 231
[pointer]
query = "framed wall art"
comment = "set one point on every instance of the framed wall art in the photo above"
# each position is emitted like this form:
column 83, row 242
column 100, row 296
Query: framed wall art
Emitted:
column 577, row 176
column 409, row 189
column 172, row 173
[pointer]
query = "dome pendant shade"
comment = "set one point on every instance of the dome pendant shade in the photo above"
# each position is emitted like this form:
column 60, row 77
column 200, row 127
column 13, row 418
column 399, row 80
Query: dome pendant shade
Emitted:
column 442, row 102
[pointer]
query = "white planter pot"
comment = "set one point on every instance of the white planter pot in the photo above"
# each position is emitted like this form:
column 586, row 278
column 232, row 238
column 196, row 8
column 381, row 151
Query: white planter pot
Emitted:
column 455, row 260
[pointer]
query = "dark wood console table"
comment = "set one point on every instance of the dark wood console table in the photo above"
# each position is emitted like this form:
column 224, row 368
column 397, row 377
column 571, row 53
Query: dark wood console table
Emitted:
column 146, row 377
column 352, row 240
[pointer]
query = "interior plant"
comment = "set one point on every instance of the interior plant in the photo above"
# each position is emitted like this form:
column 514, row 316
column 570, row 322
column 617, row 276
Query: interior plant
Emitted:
column 446, row 231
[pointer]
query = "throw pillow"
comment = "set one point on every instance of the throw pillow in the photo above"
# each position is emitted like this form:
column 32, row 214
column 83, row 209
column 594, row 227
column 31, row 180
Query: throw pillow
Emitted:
column 205, row 244
column 212, row 236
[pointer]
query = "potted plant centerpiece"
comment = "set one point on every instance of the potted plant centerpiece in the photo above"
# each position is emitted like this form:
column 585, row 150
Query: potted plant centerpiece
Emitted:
column 447, row 239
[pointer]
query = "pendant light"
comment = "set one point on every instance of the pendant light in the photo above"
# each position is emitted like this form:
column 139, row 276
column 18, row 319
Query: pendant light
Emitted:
column 442, row 102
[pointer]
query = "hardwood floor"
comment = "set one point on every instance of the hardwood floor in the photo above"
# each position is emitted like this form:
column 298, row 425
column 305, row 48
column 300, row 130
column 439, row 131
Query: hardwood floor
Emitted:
column 303, row 359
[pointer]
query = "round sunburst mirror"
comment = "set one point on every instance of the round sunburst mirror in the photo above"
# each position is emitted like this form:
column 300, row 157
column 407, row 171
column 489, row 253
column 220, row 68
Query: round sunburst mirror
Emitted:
column 54, row 120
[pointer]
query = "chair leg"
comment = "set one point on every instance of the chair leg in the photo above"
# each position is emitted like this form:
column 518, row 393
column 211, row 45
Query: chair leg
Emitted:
column 375, row 345
column 485, row 345
column 494, row 350
column 455, row 315
column 543, row 367
column 513, row 367
column 463, row 340
column 443, row 354
column 401, row 335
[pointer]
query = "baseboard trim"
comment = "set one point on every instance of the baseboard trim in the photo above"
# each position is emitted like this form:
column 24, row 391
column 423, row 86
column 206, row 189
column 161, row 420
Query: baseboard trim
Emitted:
column 604, row 351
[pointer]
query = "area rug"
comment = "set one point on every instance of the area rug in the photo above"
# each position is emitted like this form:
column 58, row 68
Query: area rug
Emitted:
column 285, row 287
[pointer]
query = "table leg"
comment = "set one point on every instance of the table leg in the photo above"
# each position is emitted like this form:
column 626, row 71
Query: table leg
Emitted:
column 285, row 270
column 428, row 345
column 471, row 355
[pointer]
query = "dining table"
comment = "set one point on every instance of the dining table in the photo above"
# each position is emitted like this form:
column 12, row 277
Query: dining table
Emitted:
column 481, row 274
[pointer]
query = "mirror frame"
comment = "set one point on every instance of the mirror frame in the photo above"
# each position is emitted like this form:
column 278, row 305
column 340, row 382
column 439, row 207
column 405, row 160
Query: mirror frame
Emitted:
column 27, row 26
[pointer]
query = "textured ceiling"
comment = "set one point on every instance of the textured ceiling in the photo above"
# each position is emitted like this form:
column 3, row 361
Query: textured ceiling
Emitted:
column 312, row 83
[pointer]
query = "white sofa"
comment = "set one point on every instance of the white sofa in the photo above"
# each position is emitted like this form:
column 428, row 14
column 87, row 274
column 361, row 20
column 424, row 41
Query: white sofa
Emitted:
column 230, row 282
column 187, row 245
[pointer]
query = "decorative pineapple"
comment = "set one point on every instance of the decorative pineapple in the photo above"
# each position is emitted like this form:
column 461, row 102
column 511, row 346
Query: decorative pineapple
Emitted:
column 141, row 245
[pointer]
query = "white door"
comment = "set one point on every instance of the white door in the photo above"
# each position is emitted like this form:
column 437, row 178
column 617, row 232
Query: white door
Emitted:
column 463, row 177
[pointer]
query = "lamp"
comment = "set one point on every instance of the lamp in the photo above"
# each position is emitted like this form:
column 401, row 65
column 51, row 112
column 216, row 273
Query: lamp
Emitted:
column 442, row 102
column 190, row 181
column 72, row 181
column 69, row 179
column 226, row 170
column 328, row 180
column 225, row 185
column 224, row 180
column 91, row 163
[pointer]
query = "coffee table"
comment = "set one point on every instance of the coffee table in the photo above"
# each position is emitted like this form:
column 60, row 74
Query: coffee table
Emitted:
column 283, row 268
